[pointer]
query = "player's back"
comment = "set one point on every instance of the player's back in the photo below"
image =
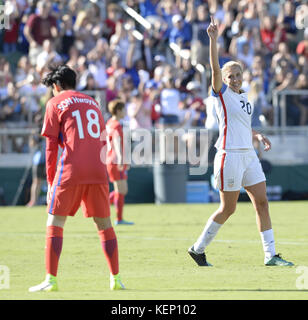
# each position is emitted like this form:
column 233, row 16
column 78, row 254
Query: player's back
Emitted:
column 80, row 126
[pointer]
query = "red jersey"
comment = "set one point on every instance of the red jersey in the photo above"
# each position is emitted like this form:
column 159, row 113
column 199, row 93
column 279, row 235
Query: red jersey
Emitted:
column 114, row 129
column 41, row 28
column 76, row 121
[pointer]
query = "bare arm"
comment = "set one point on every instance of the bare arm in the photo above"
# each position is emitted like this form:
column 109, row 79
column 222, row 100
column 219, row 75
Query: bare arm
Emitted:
column 212, row 31
column 118, row 151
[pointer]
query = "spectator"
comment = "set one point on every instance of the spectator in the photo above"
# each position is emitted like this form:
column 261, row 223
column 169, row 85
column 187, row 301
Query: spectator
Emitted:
column 271, row 34
column 301, row 101
column 181, row 32
column 196, row 104
column 121, row 40
column 200, row 43
column 31, row 90
column 169, row 101
column 23, row 68
column 245, row 55
column 74, row 7
column 139, row 112
column 11, row 35
column 302, row 52
column 73, row 57
column 91, row 84
column 67, row 36
column 97, row 59
column 111, row 90
column 257, row 97
column 48, row 56
column 39, row 27
column 113, row 15
column 247, row 78
column 152, row 100
column 156, row 81
column 148, row 7
column 5, row 68
column 260, row 72
column 286, row 18
column 126, row 85
column 283, row 55
column 167, row 9
column 22, row 42
column 83, row 72
column 3, row 86
column 186, row 71
column 83, row 29
column 116, row 70
column 245, row 37
column 10, row 105
column 225, row 30
column 250, row 15
column 283, row 79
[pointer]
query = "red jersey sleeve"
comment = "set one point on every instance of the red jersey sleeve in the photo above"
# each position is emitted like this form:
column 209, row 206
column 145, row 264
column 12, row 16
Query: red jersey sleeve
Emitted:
column 51, row 126
column 51, row 158
column 51, row 130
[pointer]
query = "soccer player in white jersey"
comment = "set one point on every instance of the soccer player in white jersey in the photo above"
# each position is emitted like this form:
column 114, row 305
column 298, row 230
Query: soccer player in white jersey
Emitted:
column 236, row 164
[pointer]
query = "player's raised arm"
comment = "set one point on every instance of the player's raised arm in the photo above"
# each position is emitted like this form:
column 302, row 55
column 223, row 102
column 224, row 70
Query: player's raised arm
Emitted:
column 212, row 31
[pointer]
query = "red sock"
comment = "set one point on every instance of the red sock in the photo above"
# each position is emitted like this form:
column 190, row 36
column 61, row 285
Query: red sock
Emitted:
column 119, row 200
column 111, row 197
column 54, row 240
column 110, row 247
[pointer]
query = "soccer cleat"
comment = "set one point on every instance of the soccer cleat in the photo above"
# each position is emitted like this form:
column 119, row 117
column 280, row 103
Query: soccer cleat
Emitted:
column 276, row 260
column 117, row 222
column 200, row 258
column 49, row 284
column 116, row 283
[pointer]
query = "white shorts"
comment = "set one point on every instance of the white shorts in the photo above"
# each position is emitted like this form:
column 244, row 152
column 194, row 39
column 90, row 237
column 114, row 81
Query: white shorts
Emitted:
column 234, row 169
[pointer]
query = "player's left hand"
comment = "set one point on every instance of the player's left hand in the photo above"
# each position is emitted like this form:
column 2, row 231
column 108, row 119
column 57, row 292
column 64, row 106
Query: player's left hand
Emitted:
column 48, row 195
column 120, row 167
column 266, row 142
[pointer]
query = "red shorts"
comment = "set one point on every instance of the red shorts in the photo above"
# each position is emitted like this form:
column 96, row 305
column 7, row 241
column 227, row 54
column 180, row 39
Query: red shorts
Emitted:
column 93, row 198
column 115, row 174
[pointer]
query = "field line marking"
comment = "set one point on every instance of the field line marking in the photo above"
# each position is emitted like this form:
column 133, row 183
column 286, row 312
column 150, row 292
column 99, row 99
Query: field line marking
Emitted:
column 285, row 242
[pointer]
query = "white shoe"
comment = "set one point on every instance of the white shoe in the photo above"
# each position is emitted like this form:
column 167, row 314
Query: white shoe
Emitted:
column 116, row 283
column 49, row 284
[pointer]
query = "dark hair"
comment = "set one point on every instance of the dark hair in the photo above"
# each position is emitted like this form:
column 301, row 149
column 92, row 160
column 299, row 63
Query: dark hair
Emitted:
column 62, row 76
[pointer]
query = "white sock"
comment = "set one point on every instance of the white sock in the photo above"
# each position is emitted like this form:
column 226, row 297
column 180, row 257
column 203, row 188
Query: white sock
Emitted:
column 268, row 243
column 209, row 232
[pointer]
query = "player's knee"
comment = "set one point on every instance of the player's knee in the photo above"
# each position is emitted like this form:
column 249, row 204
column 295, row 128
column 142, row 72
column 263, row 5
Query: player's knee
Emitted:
column 123, row 189
column 262, row 205
column 227, row 210
column 102, row 223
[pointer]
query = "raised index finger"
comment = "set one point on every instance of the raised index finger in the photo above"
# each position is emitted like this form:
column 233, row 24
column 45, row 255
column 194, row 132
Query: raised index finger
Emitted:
column 212, row 20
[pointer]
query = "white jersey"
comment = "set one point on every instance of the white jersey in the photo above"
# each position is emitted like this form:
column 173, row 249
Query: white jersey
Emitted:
column 234, row 116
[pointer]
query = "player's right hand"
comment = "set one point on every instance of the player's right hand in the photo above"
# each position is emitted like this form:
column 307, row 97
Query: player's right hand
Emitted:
column 212, row 29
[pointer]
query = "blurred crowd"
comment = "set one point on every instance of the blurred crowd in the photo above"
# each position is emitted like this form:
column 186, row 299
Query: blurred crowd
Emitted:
column 152, row 63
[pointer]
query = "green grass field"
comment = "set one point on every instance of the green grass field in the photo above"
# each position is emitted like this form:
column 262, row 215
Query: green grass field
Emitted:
column 154, row 263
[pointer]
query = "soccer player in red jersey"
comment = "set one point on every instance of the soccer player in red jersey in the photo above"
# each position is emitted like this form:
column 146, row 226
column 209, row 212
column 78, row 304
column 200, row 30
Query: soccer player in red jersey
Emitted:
column 115, row 155
column 74, row 122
